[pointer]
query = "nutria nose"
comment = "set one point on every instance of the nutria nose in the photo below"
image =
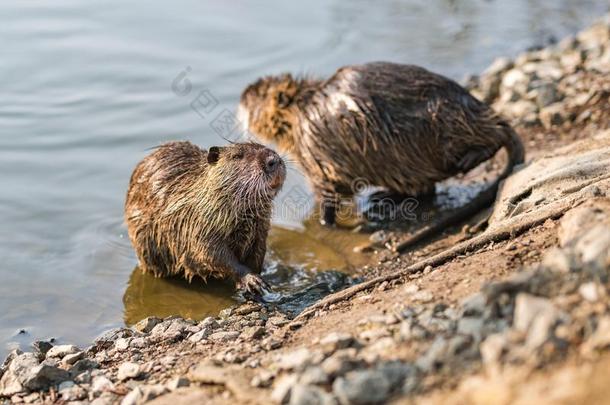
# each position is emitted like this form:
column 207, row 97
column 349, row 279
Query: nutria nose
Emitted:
column 272, row 162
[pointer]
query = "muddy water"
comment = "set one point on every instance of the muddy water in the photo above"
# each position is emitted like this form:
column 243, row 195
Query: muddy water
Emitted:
column 87, row 88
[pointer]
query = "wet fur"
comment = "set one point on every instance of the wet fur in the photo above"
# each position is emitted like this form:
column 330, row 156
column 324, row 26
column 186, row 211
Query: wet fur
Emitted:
column 190, row 218
column 396, row 126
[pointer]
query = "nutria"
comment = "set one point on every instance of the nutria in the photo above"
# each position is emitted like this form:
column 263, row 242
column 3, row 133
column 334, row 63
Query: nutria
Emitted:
column 192, row 212
column 400, row 127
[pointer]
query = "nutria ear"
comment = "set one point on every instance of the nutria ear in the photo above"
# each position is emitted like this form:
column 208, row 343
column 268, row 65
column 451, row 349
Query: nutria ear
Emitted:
column 283, row 99
column 213, row 155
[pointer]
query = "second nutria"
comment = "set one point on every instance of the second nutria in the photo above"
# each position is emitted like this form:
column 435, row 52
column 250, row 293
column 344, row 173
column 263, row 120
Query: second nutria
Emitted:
column 400, row 127
column 198, row 213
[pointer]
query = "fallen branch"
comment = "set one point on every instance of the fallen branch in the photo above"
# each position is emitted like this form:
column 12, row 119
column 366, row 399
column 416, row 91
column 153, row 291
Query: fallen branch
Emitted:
column 511, row 228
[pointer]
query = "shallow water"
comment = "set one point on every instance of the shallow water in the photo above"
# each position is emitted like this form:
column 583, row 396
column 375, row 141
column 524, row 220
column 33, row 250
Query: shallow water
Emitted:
column 87, row 88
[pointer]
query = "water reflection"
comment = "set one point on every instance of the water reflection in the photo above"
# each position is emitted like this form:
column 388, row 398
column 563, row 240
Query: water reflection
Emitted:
column 150, row 296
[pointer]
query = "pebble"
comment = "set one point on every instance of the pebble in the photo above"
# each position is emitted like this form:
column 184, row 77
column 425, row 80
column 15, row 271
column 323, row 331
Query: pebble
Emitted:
column 101, row 384
column 335, row 341
column 128, row 370
column 534, row 316
column 302, row 394
column 62, row 351
column 178, row 382
column 223, row 336
column 361, row 387
column 146, row 325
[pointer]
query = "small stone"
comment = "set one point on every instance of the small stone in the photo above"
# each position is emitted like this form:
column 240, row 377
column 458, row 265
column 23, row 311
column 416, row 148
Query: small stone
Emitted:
column 361, row 387
column 70, row 359
column 62, row 350
column 209, row 322
column 223, row 336
column 41, row 348
column 100, row 384
column 423, row 296
column 336, row 340
column 283, row 387
column 314, row 375
column 71, row 392
column 178, row 382
column 295, row 360
column 492, row 349
column 302, row 394
column 278, row 321
column 138, row 343
column 81, row 366
column 225, row 313
column 589, row 291
column 552, row 115
column 262, row 379
column 199, row 336
column 128, row 370
column 471, row 326
column 600, row 339
column 142, row 394
column 340, row 363
column 146, row 325
column 271, row 343
column 253, row 332
column 534, row 316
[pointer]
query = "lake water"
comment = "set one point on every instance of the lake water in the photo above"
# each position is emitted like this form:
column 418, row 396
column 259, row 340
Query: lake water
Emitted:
column 87, row 87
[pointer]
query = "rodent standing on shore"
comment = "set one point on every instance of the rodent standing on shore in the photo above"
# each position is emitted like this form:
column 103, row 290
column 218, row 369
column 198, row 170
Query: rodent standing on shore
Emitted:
column 192, row 212
column 400, row 127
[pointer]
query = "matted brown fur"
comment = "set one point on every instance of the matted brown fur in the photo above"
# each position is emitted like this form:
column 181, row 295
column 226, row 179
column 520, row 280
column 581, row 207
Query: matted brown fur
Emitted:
column 203, row 214
column 394, row 126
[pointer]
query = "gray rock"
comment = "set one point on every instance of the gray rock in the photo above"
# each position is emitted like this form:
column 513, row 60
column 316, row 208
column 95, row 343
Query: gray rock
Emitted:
column 335, row 341
column 146, row 325
column 253, row 332
column 68, row 391
column 341, row 362
column 26, row 374
column 142, row 394
column 100, row 384
column 70, row 359
column 302, row 394
column 545, row 93
column 81, row 366
column 62, row 350
column 128, row 370
column 492, row 349
column 515, row 80
column 283, row 387
column 474, row 305
column 41, row 348
column 12, row 381
column 535, row 317
column 396, row 372
column 178, row 382
column 554, row 114
column 471, row 326
column 362, row 387
column 223, row 336
column 297, row 359
column 122, row 344
column 314, row 376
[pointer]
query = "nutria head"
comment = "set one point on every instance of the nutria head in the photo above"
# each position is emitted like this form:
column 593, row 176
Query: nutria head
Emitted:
column 267, row 108
column 248, row 172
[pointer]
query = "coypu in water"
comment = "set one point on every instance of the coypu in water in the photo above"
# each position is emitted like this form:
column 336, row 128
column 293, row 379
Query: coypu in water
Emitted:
column 193, row 212
column 400, row 127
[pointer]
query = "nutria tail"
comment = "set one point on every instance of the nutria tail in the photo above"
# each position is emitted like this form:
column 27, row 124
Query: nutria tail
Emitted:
column 485, row 198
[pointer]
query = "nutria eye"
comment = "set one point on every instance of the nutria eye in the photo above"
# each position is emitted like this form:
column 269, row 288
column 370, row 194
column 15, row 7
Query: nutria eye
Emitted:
column 238, row 155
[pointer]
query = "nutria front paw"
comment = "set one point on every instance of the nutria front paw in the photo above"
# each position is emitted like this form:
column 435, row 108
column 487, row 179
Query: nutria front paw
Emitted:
column 253, row 285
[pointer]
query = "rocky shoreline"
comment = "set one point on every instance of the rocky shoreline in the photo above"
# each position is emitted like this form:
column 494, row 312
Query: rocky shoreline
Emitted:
column 470, row 330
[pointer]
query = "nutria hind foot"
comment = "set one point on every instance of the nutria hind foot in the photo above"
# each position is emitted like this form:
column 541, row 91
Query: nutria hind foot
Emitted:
column 254, row 287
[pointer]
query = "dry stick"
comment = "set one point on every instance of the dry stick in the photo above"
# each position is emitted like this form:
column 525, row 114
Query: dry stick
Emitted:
column 513, row 228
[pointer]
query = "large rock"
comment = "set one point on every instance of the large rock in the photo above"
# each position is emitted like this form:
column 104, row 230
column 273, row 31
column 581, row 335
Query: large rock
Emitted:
column 25, row 374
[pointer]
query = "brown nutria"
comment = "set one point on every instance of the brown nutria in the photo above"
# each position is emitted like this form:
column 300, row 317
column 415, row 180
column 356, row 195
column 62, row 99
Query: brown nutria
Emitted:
column 400, row 127
column 192, row 212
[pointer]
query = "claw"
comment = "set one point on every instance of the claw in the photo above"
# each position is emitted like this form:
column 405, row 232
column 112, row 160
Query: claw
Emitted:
column 253, row 285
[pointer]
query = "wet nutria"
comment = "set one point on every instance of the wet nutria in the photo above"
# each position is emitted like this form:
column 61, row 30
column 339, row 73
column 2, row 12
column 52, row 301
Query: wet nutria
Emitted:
column 193, row 212
column 400, row 127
